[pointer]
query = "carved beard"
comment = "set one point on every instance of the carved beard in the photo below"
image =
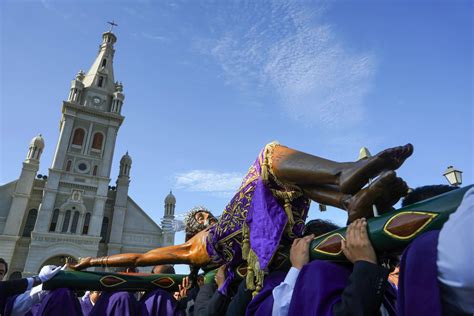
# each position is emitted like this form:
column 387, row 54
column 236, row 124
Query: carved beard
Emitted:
column 194, row 227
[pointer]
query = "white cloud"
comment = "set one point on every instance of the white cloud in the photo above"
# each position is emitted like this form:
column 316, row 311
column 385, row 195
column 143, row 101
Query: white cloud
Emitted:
column 285, row 48
column 155, row 37
column 222, row 184
column 53, row 6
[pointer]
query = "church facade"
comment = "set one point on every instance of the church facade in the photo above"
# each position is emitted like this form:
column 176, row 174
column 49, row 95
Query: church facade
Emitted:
column 73, row 211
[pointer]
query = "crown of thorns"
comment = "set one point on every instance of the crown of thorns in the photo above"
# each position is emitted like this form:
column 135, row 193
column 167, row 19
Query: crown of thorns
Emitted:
column 189, row 219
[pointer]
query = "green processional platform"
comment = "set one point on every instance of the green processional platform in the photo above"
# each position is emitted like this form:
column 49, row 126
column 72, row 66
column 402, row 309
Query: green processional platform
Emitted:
column 389, row 233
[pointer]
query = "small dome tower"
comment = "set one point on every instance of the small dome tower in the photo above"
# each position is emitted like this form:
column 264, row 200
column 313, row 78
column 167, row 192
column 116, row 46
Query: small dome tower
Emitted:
column 36, row 148
column 170, row 204
column 125, row 165
column 77, row 87
column 118, row 98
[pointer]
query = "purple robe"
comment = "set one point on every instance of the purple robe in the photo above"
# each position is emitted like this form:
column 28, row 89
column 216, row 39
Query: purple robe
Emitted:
column 257, row 204
column 318, row 288
column 159, row 302
column 262, row 304
column 7, row 305
column 418, row 289
column 116, row 303
column 58, row 302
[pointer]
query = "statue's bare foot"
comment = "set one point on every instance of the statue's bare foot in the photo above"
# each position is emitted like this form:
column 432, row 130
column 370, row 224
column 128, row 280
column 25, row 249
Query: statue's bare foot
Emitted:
column 356, row 176
column 82, row 264
column 386, row 189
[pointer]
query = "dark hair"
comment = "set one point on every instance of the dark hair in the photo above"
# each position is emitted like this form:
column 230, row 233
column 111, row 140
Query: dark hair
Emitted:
column 165, row 269
column 191, row 225
column 426, row 192
column 318, row 227
column 5, row 263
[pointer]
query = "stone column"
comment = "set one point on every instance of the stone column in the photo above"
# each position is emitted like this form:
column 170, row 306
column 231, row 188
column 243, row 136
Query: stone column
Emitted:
column 108, row 152
column 45, row 211
column 20, row 199
column 63, row 143
column 97, row 215
column 60, row 221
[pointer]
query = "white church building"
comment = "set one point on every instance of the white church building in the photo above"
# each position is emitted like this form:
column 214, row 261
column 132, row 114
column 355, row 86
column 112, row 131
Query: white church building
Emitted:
column 73, row 211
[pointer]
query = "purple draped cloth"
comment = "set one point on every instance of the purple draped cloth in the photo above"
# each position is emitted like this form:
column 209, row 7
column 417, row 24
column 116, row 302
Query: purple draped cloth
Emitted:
column 116, row 303
column 418, row 289
column 59, row 302
column 159, row 302
column 262, row 304
column 255, row 205
column 86, row 306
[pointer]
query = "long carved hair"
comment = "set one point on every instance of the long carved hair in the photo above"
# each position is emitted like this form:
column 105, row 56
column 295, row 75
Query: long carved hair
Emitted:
column 191, row 225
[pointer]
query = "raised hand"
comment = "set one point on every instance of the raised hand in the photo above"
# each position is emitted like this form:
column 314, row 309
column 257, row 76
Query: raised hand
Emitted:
column 48, row 272
column 357, row 245
column 299, row 252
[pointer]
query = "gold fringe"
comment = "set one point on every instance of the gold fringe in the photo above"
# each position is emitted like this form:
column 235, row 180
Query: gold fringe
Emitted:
column 266, row 164
column 255, row 275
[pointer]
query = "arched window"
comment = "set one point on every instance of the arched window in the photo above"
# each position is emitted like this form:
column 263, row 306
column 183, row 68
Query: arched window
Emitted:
column 104, row 62
column 94, row 171
column 67, row 217
column 75, row 219
column 78, row 137
column 97, row 141
column 85, row 228
column 54, row 221
column 103, row 230
column 30, row 223
column 68, row 165
column 100, row 82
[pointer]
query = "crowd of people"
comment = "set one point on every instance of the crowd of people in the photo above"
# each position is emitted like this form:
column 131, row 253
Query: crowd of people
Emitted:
column 431, row 277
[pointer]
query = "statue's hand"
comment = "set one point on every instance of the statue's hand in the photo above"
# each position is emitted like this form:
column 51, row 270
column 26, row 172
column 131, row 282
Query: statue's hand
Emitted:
column 82, row 264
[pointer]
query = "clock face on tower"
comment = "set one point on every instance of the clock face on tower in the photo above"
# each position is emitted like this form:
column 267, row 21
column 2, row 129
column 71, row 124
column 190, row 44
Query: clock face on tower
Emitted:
column 96, row 100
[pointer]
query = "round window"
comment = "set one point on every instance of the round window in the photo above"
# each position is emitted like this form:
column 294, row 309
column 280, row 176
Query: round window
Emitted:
column 82, row 166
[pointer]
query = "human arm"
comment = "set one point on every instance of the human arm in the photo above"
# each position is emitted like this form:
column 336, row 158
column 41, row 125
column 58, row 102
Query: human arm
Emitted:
column 13, row 287
column 299, row 256
column 203, row 297
column 31, row 296
column 218, row 303
column 455, row 257
column 23, row 302
column 238, row 304
column 364, row 293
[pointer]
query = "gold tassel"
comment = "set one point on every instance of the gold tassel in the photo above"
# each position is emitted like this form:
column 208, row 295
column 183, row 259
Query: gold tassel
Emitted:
column 245, row 241
column 259, row 276
column 250, row 280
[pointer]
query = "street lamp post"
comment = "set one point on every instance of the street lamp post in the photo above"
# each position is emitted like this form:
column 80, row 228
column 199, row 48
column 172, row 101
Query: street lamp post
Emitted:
column 454, row 176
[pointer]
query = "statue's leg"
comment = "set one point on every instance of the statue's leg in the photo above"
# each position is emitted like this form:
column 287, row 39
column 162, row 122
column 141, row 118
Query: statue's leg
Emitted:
column 384, row 192
column 327, row 195
column 301, row 169
column 192, row 252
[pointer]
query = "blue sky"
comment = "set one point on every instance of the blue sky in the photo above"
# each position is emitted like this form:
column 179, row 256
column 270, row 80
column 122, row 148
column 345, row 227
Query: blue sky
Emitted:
column 209, row 83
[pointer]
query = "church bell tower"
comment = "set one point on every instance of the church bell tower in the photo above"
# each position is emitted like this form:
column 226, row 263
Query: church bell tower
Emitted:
column 76, row 192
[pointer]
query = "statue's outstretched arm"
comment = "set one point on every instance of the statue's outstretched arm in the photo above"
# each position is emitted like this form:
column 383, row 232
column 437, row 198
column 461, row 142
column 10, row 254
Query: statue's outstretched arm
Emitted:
column 192, row 252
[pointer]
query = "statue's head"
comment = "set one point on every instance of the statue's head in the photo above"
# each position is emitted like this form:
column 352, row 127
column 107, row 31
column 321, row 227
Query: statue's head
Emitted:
column 198, row 219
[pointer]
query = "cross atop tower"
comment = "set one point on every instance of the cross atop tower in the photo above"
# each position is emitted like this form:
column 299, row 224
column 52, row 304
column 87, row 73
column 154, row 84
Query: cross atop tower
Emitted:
column 112, row 24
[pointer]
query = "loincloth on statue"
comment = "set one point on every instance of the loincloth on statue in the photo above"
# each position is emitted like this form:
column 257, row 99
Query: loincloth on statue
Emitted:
column 263, row 213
